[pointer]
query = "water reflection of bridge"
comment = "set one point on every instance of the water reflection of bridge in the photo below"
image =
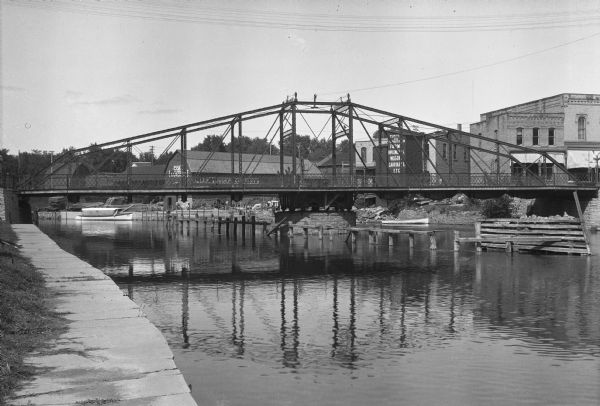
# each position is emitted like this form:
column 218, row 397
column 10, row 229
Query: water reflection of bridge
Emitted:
column 325, row 301
column 345, row 317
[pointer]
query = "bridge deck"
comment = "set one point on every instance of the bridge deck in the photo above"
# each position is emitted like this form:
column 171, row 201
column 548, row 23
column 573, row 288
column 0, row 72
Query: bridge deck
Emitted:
column 215, row 184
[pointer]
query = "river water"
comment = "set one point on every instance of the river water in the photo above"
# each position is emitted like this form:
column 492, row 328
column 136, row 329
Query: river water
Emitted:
column 287, row 322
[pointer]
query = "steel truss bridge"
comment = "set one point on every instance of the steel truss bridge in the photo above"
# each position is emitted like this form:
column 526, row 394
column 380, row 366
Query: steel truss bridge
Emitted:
column 485, row 168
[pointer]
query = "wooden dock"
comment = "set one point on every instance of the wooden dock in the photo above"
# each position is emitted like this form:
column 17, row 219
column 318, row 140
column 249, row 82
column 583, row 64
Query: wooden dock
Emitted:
column 562, row 236
column 376, row 235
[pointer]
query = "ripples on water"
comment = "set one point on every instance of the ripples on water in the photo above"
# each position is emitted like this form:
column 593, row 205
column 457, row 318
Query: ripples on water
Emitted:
column 270, row 322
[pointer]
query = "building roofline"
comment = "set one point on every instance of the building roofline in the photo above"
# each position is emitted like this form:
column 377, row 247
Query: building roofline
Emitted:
column 539, row 100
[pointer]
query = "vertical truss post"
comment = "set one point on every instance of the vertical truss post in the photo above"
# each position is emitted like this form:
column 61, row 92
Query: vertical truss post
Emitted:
column 333, row 154
column 351, row 142
column 451, row 147
column 497, row 157
column 387, row 167
column 184, row 164
column 282, row 174
column 293, row 135
column 232, row 147
column 240, row 141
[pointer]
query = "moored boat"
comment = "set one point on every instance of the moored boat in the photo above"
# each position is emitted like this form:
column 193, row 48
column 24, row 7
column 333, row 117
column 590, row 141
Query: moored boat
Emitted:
column 402, row 222
column 104, row 213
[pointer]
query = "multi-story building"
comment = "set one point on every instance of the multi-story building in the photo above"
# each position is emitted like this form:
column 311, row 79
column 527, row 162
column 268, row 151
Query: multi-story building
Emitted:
column 566, row 126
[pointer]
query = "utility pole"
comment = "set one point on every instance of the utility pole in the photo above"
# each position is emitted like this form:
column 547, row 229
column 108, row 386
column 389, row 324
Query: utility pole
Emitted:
column 51, row 166
column 294, row 139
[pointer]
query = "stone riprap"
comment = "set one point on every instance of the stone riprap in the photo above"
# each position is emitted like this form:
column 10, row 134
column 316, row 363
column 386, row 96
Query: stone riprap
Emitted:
column 109, row 353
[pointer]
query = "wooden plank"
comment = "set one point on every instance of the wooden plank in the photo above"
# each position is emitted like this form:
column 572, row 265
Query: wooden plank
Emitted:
column 549, row 237
column 532, row 226
column 534, row 232
column 534, row 221
column 544, row 243
column 528, row 238
column 565, row 250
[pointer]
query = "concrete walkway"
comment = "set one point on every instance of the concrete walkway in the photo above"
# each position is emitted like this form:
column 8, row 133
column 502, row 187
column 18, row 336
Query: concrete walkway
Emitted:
column 110, row 353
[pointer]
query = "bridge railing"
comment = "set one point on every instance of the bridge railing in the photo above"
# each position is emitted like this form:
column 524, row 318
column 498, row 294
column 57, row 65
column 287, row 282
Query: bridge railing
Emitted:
column 227, row 182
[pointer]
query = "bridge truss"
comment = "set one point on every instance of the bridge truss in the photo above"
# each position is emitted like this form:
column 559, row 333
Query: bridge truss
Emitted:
column 485, row 164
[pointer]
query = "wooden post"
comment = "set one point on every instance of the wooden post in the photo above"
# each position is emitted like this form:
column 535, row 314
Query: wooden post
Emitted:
column 235, row 223
column 390, row 239
column 290, row 229
column 509, row 246
column 330, row 234
column 432, row 241
column 411, row 240
column 219, row 226
column 353, row 236
column 371, row 239
column 305, row 229
column 227, row 226
column 321, row 233
column 243, row 227
column 456, row 241
column 253, row 224
column 130, row 270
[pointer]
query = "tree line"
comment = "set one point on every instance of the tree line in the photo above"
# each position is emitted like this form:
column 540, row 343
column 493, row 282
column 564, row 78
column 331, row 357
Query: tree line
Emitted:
column 27, row 164
column 306, row 147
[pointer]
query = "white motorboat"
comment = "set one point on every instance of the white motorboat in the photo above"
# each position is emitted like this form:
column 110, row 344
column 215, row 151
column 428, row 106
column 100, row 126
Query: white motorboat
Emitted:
column 104, row 214
column 408, row 222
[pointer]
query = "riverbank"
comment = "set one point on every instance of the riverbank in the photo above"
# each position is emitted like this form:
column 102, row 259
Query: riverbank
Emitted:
column 26, row 322
column 108, row 352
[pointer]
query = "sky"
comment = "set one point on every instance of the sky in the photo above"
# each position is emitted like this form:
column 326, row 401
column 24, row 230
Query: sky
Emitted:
column 75, row 73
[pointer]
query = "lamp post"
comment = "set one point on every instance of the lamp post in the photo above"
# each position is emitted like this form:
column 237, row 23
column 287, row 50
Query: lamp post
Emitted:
column 596, row 158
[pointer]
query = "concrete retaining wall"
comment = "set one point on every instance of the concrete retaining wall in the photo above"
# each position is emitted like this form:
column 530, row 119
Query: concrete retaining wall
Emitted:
column 9, row 206
column 560, row 206
column 109, row 353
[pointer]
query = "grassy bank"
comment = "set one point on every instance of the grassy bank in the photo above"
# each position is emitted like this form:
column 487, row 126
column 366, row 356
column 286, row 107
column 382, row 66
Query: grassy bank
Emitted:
column 26, row 322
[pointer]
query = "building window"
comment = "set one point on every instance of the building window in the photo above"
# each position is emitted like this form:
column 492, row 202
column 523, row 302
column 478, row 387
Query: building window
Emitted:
column 454, row 152
column 536, row 136
column 444, row 151
column 581, row 128
column 466, row 154
column 363, row 154
column 550, row 136
column 519, row 136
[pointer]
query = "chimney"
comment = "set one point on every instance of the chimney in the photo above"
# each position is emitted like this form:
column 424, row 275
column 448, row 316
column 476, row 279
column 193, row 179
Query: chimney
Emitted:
column 459, row 127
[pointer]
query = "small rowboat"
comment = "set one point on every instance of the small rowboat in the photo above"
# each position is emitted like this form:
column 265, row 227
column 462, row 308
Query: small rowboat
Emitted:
column 423, row 221
column 104, row 214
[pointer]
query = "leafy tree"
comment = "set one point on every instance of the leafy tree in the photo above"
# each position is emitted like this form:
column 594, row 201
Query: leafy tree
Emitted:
column 108, row 160
column 253, row 146
column 315, row 149
column 146, row 156
column 211, row 143
column 9, row 162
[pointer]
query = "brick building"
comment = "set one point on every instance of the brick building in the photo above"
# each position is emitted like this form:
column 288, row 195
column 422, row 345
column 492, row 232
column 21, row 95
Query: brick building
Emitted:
column 566, row 126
